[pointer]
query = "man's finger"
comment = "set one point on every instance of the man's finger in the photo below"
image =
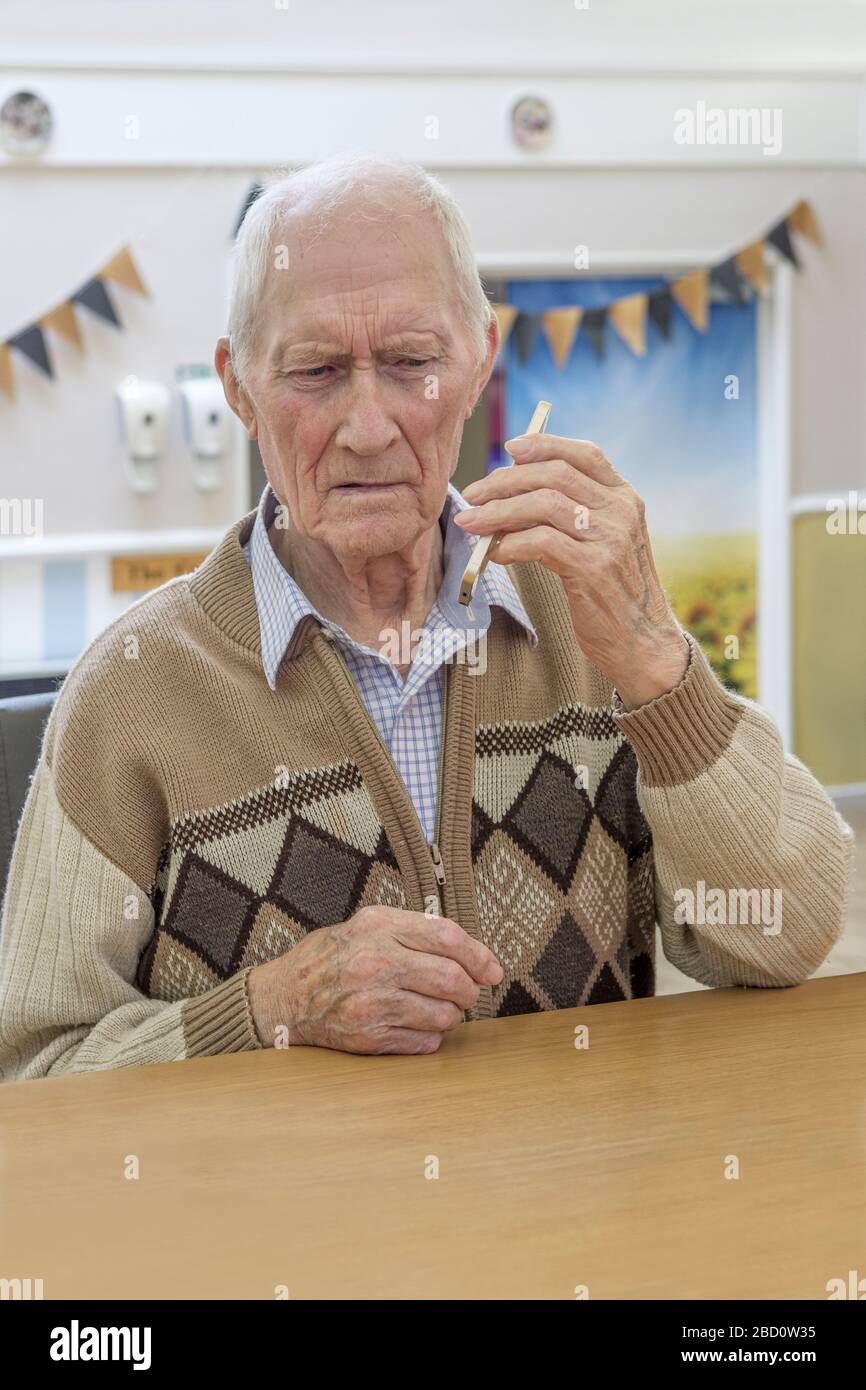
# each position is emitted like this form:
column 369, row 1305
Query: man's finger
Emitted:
column 439, row 977
column 540, row 507
column 546, row 545
column 409, row 1041
column 554, row 473
column 580, row 453
column 443, row 937
column 406, row 1009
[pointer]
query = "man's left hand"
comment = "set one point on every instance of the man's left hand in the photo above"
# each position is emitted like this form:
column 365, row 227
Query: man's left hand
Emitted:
column 564, row 505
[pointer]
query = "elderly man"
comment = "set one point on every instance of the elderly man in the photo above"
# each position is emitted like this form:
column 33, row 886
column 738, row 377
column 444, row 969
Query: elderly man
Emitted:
column 259, row 819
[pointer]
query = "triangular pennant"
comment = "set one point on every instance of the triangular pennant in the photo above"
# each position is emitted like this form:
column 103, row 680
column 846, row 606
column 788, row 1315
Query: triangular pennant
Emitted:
column 31, row 343
column 804, row 221
column 692, row 293
column 525, row 332
column 592, row 326
column 727, row 278
column 121, row 270
column 505, row 316
column 752, row 265
column 254, row 192
column 628, row 317
column 7, row 385
column 94, row 296
column 779, row 237
column 560, row 327
column 661, row 311
column 62, row 320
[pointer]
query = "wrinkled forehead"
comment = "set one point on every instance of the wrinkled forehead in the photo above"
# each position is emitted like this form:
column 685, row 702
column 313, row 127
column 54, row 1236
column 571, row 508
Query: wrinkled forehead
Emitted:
column 359, row 273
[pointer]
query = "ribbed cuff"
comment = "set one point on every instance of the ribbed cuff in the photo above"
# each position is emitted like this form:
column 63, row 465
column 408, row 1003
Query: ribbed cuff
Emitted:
column 679, row 735
column 220, row 1020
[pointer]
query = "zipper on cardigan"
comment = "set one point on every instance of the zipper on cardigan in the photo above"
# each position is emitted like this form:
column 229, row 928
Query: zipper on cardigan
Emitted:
column 435, row 855
column 437, row 864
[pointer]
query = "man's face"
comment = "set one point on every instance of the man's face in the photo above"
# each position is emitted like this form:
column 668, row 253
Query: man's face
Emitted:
column 363, row 375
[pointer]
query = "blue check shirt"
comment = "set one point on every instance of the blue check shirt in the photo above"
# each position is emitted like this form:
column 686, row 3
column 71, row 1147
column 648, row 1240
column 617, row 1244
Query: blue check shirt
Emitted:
column 408, row 714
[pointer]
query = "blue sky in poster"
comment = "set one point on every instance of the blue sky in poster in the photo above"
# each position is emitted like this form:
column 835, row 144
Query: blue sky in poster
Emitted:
column 662, row 419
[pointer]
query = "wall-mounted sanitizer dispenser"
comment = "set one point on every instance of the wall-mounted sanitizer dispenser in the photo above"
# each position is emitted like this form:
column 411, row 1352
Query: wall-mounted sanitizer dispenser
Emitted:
column 143, row 410
column 206, row 419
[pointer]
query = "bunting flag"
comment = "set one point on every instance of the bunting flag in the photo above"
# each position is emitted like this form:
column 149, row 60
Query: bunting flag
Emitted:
column 726, row 277
column 628, row 317
column 594, row 321
column 506, row 314
column 561, row 327
column 752, row 265
column 692, row 293
column 525, row 332
column 780, row 237
column 95, row 297
column 733, row 280
column 804, row 221
column 661, row 311
column 32, row 342
column 7, row 384
column 121, row 270
column 64, row 323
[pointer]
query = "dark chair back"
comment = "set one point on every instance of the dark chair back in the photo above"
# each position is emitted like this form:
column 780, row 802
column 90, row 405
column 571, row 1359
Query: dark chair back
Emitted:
column 22, row 724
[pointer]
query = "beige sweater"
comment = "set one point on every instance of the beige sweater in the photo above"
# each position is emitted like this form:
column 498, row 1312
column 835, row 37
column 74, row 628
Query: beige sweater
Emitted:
column 185, row 823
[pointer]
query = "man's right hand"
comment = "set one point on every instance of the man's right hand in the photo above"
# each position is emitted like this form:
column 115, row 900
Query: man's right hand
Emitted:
column 386, row 980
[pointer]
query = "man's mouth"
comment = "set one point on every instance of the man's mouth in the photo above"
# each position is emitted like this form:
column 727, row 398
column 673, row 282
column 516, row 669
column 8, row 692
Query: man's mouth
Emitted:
column 367, row 487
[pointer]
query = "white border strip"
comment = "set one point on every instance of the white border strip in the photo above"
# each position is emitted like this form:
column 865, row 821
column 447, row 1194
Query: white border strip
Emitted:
column 849, row 791
column 821, row 503
column 89, row 544
column 775, row 329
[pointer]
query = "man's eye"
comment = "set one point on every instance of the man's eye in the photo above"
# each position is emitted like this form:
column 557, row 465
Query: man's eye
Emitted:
column 414, row 361
column 311, row 371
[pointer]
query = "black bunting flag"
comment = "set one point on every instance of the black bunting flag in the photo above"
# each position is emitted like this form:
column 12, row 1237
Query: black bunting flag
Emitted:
column 593, row 325
column 525, row 332
column 95, row 297
column 727, row 278
column 31, row 343
column 661, row 311
column 780, row 237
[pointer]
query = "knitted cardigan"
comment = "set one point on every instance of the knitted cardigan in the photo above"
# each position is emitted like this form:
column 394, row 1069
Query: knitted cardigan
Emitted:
column 184, row 823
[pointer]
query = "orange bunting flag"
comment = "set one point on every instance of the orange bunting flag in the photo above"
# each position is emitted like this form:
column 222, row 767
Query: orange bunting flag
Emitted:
column 505, row 314
column 804, row 221
column 752, row 265
column 560, row 326
column 628, row 317
column 692, row 293
column 63, row 321
column 7, row 385
column 121, row 270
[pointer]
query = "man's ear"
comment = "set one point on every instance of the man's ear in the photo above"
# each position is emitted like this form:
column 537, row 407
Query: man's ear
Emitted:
column 485, row 368
column 234, row 391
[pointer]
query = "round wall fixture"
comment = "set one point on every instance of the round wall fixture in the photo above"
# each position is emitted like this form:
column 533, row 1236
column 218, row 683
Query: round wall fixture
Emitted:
column 531, row 123
column 26, row 123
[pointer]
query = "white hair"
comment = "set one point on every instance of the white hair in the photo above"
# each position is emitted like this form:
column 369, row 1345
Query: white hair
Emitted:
column 319, row 189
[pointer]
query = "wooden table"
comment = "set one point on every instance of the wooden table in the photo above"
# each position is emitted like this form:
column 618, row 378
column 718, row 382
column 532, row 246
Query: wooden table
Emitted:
column 558, row 1167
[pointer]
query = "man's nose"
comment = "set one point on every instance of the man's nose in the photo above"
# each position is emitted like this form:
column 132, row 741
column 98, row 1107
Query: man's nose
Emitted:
column 367, row 426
